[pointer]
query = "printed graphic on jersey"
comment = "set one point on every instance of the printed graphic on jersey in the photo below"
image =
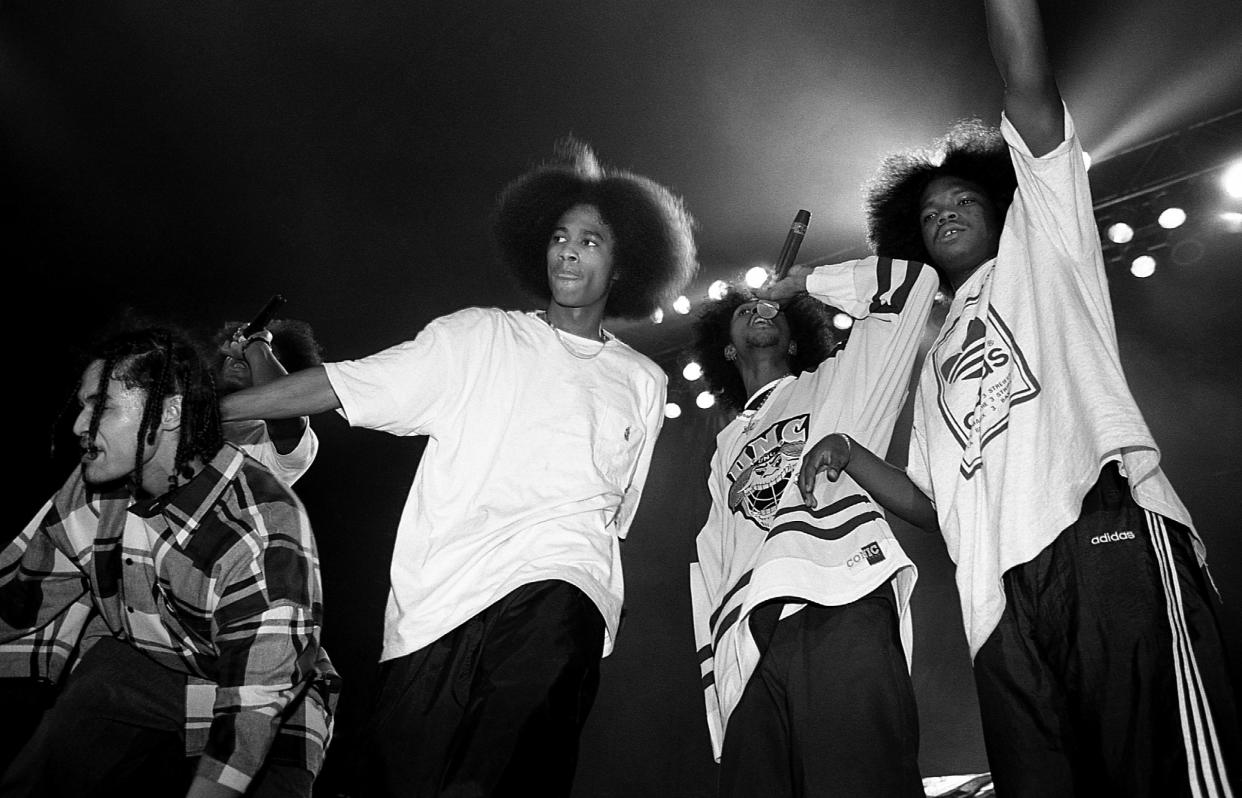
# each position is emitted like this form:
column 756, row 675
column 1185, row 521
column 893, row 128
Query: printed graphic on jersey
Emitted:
column 760, row 474
column 979, row 380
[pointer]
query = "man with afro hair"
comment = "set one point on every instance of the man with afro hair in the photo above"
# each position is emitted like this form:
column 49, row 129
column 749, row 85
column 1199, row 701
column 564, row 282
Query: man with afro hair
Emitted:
column 1083, row 585
column 173, row 585
column 801, row 602
column 506, row 583
column 287, row 446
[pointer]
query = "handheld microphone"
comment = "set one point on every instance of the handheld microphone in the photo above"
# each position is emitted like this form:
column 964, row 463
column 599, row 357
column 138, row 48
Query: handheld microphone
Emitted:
column 797, row 231
column 793, row 241
column 264, row 316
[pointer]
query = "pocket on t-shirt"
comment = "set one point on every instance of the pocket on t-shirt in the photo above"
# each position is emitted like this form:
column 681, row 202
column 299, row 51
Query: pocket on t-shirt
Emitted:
column 618, row 442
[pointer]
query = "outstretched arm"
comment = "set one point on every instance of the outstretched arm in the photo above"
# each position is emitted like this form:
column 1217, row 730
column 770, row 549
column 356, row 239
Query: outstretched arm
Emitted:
column 1032, row 100
column 302, row 393
column 886, row 483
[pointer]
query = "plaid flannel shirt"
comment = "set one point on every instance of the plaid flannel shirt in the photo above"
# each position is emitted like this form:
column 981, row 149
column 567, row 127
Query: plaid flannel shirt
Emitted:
column 218, row 580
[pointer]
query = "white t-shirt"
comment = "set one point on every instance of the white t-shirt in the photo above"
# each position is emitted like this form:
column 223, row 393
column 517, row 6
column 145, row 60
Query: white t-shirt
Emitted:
column 1022, row 398
column 252, row 438
column 760, row 541
column 532, row 471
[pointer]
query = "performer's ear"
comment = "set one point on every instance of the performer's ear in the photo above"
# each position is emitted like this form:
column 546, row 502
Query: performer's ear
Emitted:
column 730, row 352
column 793, row 348
column 171, row 418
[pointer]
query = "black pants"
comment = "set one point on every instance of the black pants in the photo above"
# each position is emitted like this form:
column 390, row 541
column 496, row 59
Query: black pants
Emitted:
column 495, row 707
column 829, row 710
column 1106, row 675
column 118, row 729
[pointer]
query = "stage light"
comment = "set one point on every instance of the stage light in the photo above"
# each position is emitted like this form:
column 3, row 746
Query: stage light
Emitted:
column 1171, row 218
column 842, row 321
column 1120, row 233
column 692, row 371
column 717, row 290
column 1086, row 160
column 756, row 276
column 657, row 315
column 1143, row 266
column 705, row 400
column 681, row 304
column 672, row 410
column 1232, row 220
column 1232, row 180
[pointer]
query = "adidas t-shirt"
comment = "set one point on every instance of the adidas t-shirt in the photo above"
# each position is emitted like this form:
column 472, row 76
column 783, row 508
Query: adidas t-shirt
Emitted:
column 1022, row 398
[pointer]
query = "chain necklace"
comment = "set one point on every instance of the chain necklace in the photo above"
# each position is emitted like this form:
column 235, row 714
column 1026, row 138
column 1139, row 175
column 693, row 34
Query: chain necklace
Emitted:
column 754, row 406
column 565, row 344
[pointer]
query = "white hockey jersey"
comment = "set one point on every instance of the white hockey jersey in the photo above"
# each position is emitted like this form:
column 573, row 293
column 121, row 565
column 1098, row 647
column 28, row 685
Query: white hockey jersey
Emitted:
column 761, row 542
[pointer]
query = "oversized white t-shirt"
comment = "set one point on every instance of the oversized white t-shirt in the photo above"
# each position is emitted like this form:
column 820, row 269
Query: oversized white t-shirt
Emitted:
column 252, row 438
column 761, row 542
column 534, row 464
column 1022, row 398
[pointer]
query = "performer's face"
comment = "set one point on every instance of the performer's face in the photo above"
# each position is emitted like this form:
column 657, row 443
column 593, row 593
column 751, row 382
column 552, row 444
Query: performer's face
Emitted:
column 234, row 375
column 110, row 456
column 960, row 226
column 580, row 255
column 749, row 330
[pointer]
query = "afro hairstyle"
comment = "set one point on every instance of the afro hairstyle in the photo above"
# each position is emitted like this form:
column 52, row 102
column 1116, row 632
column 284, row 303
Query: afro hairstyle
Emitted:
column 810, row 327
column 654, row 254
column 970, row 150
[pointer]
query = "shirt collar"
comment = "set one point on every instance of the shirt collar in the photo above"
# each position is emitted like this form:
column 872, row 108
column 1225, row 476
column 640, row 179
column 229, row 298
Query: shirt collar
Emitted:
column 771, row 386
column 184, row 507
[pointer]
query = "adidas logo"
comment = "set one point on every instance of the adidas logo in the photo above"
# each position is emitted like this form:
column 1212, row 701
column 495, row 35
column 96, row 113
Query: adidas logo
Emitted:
column 1112, row 537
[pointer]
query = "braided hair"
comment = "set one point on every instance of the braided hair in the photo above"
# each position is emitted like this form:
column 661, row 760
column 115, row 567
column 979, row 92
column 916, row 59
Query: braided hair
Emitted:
column 810, row 326
column 163, row 362
column 654, row 254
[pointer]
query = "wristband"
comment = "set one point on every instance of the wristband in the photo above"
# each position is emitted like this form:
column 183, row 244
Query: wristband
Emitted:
column 849, row 447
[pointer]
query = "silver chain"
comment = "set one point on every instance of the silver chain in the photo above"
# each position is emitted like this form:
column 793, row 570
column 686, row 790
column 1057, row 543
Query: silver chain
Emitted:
column 571, row 350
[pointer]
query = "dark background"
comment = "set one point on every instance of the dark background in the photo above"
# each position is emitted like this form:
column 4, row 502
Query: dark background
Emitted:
column 188, row 160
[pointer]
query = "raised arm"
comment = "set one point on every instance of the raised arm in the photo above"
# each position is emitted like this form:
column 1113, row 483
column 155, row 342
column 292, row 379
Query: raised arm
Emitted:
column 302, row 393
column 1032, row 100
column 256, row 352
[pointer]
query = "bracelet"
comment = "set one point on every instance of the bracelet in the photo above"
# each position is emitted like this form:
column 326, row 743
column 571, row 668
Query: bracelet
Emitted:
column 849, row 447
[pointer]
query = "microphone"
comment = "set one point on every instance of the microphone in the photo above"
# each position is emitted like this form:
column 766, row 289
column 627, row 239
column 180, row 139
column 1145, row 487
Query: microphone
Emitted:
column 797, row 231
column 264, row 316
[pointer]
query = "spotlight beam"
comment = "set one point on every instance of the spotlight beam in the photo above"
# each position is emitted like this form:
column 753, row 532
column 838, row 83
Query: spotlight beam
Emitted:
column 1157, row 186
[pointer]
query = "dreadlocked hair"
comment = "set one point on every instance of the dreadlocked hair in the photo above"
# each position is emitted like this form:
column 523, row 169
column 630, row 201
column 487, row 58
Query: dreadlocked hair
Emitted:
column 970, row 150
column 293, row 344
column 810, row 327
column 163, row 362
column 654, row 251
